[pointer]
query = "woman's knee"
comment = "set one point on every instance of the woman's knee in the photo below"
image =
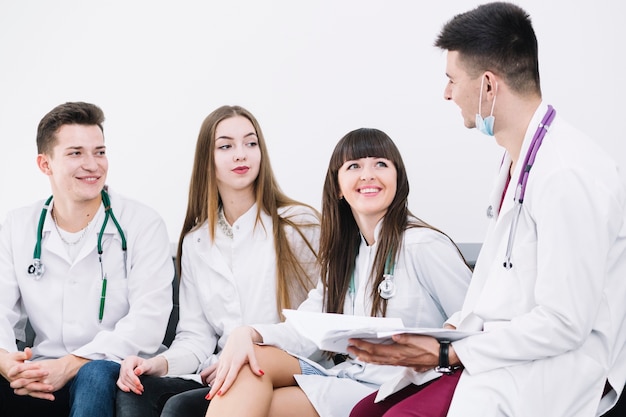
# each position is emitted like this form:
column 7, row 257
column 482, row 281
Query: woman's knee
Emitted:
column 278, row 365
column 129, row 404
column 192, row 403
column 157, row 391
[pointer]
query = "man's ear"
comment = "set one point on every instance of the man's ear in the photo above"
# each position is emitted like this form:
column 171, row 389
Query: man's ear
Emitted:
column 43, row 162
column 491, row 82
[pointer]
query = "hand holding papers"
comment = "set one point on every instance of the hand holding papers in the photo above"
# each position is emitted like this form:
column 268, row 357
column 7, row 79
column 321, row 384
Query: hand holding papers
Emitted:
column 331, row 331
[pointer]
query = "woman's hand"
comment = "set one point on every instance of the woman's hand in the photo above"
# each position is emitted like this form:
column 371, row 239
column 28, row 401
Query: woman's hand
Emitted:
column 208, row 374
column 238, row 351
column 133, row 366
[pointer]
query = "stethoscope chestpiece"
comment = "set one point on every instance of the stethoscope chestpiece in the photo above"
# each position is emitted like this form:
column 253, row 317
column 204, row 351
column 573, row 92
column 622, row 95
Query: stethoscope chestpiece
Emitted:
column 36, row 269
column 387, row 288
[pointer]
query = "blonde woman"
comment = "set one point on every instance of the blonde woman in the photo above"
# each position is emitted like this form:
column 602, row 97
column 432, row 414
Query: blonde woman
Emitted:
column 246, row 251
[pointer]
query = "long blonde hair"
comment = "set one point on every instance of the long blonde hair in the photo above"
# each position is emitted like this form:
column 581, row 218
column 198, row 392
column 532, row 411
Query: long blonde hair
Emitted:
column 204, row 203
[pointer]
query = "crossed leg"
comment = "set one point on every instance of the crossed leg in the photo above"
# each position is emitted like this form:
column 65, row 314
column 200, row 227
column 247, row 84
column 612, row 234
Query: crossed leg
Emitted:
column 274, row 394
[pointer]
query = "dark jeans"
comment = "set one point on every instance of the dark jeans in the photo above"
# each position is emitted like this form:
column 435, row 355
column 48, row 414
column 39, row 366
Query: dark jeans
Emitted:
column 187, row 404
column 157, row 390
column 91, row 393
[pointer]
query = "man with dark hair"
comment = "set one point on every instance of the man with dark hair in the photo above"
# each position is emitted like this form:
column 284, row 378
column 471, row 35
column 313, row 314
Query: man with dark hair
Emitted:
column 91, row 271
column 548, row 293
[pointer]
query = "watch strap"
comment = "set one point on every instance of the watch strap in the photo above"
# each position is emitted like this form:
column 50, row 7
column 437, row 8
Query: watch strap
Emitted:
column 444, row 358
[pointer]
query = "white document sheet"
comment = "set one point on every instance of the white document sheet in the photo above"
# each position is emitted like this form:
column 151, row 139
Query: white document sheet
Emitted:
column 331, row 331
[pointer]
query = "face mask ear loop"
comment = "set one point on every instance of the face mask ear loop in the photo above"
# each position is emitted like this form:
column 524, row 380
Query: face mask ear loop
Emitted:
column 495, row 95
column 480, row 97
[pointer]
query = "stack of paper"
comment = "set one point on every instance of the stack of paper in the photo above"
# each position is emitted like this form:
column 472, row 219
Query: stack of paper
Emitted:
column 331, row 331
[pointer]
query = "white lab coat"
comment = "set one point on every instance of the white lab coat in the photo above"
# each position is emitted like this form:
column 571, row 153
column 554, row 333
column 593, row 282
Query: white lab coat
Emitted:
column 63, row 305
column 217, row 297
column 431, row 281
column 554, row 323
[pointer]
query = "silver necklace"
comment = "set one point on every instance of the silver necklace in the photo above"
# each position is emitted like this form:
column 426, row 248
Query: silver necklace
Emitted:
column 56, row 226
column 221, row 221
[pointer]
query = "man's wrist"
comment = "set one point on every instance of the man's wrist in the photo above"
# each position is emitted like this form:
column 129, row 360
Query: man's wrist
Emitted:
column 73, row 363
column 444, row 366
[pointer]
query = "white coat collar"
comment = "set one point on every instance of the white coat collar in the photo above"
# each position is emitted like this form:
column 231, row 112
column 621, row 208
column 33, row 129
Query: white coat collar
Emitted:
column 509, row 198
column 493, row 210
column 208, row 249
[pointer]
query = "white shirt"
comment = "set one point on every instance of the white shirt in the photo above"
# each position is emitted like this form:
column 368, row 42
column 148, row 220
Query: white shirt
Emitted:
column 63, row 305
column 215, row 298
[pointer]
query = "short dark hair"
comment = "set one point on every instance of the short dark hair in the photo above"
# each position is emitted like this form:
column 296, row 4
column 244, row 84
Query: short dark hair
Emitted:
column 497, row 37
column 79, row 113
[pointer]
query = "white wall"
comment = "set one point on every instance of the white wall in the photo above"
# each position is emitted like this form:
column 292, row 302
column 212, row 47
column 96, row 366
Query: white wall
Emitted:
column 309, row 70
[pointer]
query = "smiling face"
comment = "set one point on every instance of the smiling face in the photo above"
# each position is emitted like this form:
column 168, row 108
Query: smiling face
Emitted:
column 463, row 89
column 368, row 186
column 237, row 155
column 77, row 164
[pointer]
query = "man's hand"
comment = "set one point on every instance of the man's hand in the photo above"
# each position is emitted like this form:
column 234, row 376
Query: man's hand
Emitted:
column 20, row 373
column 415, row 351
column 41, row 378
column 16, row 369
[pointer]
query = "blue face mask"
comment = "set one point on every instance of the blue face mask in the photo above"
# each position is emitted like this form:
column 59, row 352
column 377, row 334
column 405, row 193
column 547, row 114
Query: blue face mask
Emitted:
column 485, row 125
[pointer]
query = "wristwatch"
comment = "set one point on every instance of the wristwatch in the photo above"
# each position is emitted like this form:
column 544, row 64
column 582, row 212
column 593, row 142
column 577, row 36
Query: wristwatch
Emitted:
column 444, row 360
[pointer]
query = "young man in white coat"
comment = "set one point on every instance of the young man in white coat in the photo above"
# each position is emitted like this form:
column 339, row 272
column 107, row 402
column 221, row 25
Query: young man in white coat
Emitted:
column 549, row 287
column 91, row 271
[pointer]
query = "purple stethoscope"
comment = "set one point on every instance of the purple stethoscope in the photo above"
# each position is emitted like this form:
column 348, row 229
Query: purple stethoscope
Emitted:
column 542, row 129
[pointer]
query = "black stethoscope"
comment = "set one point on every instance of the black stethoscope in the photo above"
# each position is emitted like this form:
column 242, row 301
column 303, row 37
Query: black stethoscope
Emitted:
column 520, row 191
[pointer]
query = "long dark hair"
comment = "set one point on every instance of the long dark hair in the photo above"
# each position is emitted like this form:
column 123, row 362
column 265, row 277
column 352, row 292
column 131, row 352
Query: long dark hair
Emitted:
column 340, row 239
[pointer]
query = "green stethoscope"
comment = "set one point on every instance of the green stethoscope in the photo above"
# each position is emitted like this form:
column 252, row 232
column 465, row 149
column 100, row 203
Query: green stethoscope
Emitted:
column 386, row 289
column 37, row 268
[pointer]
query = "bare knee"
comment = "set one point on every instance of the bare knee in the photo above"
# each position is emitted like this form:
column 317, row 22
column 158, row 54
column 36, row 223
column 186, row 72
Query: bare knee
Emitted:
column 279, row 366
column 290, row 401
